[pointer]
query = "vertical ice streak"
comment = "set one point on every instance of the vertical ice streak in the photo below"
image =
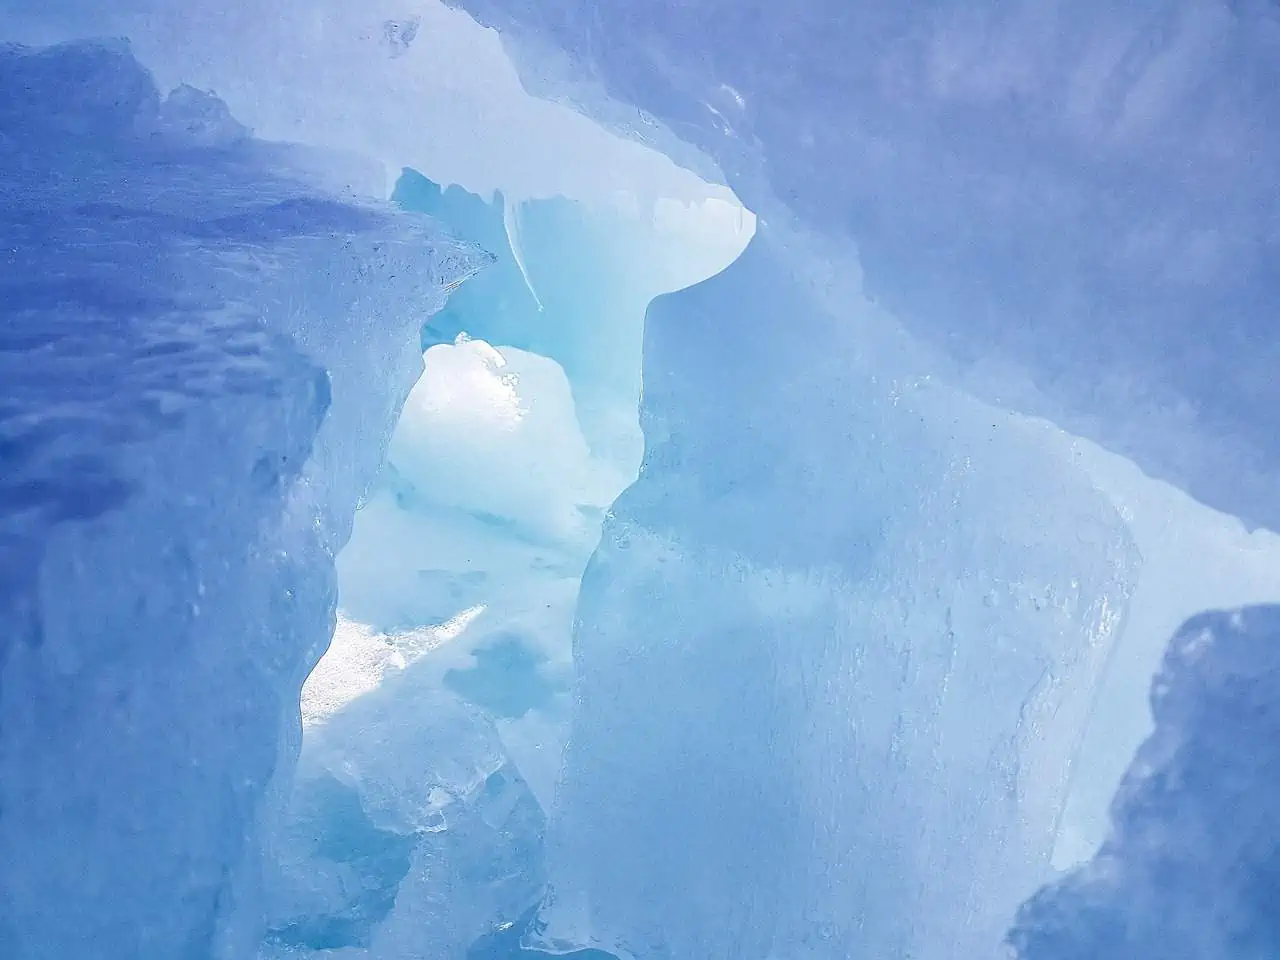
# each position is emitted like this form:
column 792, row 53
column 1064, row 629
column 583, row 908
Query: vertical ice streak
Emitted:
column 511, row 222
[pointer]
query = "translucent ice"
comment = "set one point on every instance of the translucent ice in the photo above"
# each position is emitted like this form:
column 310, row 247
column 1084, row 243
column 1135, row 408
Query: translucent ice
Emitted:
column 1193, row 559
column 407, row 834
column 832, row 668
column 495, row 432
column 202, row 356
column 843, row 638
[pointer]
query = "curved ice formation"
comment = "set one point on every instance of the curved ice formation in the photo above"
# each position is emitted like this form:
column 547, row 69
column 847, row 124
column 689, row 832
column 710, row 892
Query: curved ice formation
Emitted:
column 186, row 319
column 511, row 220
column 1074, row 202
column 1189, row 871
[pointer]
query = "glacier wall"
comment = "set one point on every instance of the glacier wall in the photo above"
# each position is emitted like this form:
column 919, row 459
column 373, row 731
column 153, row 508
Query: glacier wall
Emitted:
column 204, row 352
column 1072, row 206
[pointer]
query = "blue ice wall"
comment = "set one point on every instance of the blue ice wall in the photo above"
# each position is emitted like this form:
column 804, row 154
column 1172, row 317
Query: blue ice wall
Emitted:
column 1074, row 206
column 834, row 652
column 1190, row 870
column 202, row 353
column 845, row 597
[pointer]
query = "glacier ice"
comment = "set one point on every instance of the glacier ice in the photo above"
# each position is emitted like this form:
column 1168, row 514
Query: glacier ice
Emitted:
column 1073, row 202
column 192, row 323
column 408, row 832
column 1189, row 871
column 810, row 644
column 858, row 656
column 447, row 103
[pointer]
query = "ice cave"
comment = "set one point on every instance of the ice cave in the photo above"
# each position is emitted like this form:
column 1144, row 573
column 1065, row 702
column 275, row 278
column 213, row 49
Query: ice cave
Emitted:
column 639, row 480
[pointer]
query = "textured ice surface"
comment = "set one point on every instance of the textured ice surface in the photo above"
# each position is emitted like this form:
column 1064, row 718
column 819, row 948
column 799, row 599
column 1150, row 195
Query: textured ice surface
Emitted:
column 201, row 358
column 832, row 666
column 408, row 833
column 1190, row 869
column 405, row 83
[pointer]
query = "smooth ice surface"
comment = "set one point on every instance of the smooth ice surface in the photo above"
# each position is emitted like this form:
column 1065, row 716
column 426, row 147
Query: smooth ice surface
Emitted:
column 1189, row 871
column 202, row 356
column 808, row 644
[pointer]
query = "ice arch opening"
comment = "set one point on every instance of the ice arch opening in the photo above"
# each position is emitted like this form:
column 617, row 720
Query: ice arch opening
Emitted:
column 441, row 710
column 438, row 717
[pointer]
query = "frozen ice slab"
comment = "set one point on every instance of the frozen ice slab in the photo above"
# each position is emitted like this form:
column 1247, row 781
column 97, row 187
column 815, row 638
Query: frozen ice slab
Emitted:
column 407, row 834
column 203, row 352
column 1189, row 871
column 835, row 651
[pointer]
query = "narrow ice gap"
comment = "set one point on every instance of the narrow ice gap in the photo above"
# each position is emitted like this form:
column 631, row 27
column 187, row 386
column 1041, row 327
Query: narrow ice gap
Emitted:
column 451, row 667
column 458, row 586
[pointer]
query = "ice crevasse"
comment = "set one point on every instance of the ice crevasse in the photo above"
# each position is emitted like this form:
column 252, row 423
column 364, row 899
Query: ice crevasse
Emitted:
column 717, row 589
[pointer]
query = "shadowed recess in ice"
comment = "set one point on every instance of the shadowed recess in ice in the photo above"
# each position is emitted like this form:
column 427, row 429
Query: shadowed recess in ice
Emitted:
column 202, row 354
column 1191, row 870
